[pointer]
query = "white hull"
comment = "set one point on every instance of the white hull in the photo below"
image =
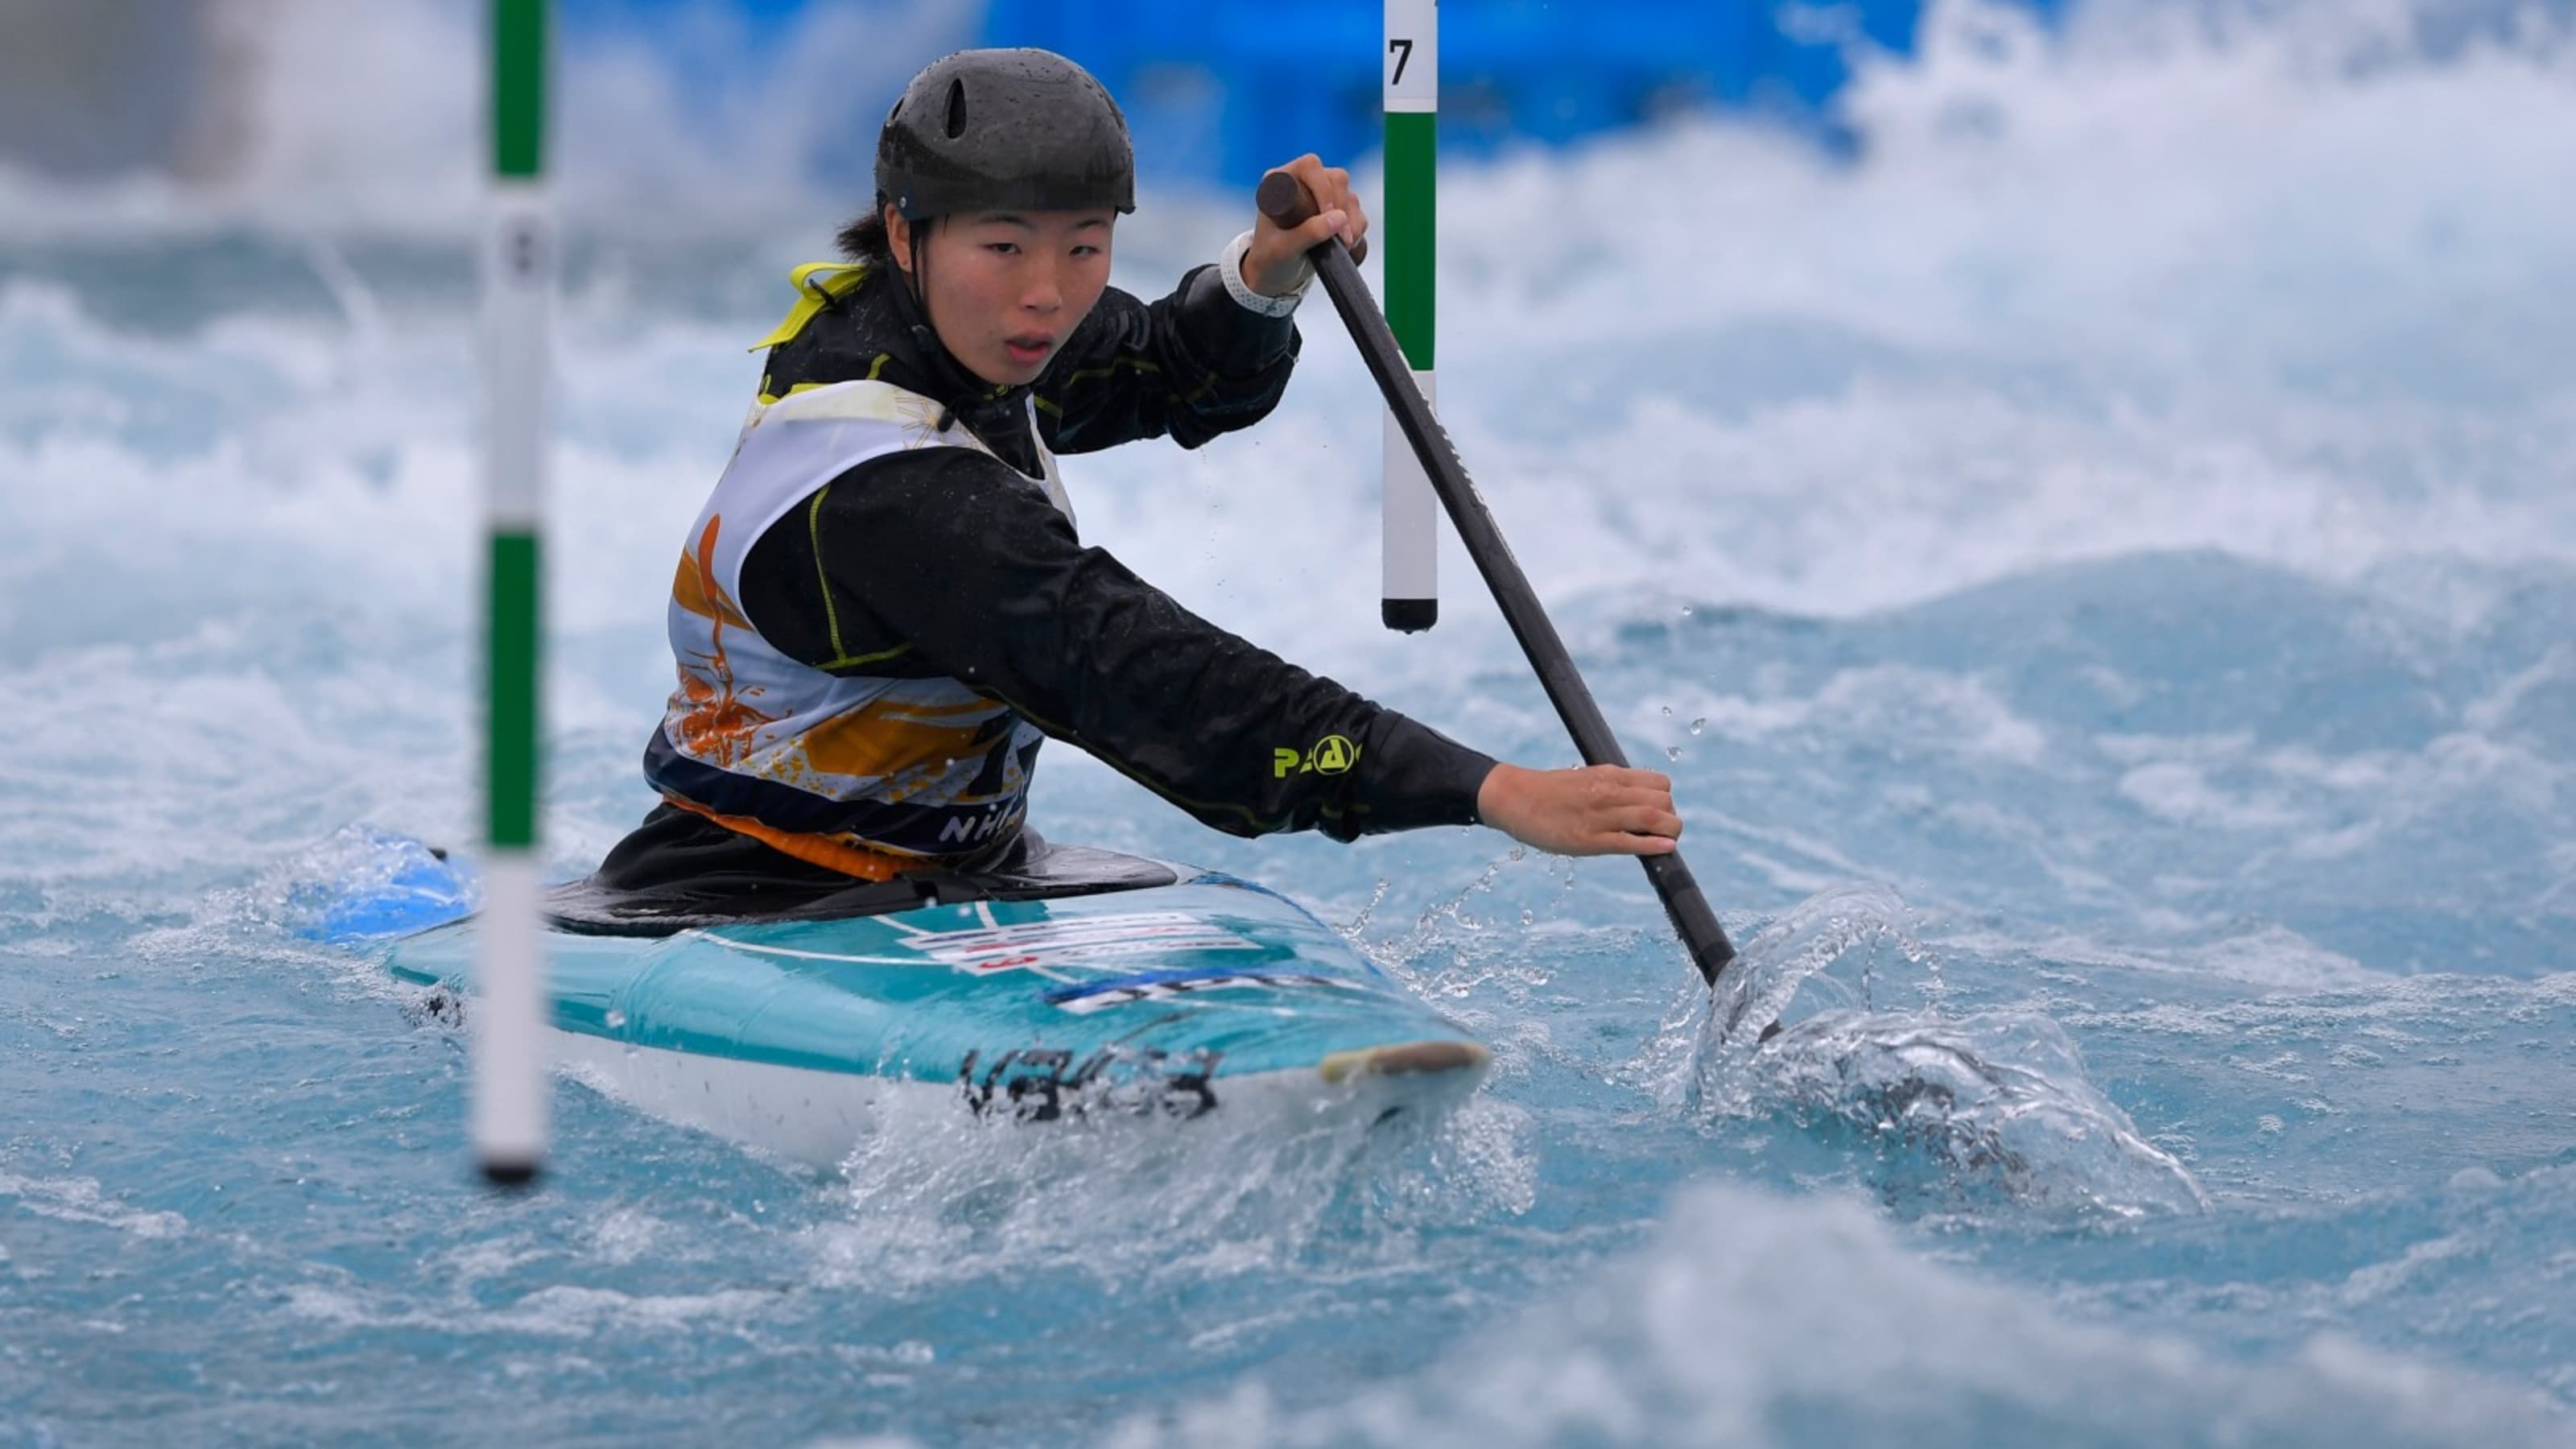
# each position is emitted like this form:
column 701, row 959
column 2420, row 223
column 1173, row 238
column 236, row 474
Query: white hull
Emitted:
column 821, row 1117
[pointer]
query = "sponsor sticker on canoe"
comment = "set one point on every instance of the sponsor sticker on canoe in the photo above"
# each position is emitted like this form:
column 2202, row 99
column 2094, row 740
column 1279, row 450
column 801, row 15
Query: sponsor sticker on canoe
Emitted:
column 1110, row 991
column 1075, row 940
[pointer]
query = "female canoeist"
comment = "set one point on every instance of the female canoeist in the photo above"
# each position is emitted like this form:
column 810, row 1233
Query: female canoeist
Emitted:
column 883, row 610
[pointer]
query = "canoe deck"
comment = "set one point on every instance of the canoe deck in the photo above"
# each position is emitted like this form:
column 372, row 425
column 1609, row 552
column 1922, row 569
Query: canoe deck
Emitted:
column 1172, row 1000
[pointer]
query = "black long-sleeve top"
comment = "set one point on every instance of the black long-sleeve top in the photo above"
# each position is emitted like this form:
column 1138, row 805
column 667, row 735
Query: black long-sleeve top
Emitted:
column 946, row 562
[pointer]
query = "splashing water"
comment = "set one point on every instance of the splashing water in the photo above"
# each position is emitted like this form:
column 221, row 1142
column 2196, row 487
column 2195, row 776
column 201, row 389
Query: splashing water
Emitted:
column 1955, row 1114
column 1129, row 1203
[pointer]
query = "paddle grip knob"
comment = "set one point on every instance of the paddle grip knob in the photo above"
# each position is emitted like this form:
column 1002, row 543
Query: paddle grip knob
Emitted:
column 1288, row 205
column 1285, row 200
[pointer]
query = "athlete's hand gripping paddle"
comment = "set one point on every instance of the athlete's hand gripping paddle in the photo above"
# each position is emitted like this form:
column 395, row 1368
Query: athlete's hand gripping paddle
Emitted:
column 1285, row 200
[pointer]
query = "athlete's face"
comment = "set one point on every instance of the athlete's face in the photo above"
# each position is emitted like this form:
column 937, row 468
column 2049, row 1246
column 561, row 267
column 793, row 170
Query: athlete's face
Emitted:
column 1005, row 288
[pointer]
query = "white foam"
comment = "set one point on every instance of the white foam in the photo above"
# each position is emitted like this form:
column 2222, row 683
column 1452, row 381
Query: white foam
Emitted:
column 934, row 1197
column 1925, row 708
column 80, row 1200
column 2134, row 290
column 1759, row 1320
column 2179, row 793
column 557, row 1311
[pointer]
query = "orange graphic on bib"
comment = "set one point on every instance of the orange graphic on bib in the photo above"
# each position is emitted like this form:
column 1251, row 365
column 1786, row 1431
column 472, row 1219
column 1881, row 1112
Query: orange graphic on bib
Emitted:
column 718, row 726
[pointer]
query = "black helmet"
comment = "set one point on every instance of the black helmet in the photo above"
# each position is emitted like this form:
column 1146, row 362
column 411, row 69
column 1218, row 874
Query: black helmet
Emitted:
column 1004, row 130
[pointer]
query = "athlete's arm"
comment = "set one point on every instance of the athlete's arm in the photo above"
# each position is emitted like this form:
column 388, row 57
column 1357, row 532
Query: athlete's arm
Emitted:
column 970, row 571
column 1211, row 357
column 1190, row 366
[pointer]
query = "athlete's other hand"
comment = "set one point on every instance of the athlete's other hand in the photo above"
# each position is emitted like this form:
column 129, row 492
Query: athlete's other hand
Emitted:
column 1275, row 265
column 1594, row 810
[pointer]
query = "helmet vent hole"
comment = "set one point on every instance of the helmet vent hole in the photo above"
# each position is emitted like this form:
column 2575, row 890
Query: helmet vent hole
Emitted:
column 956, row 109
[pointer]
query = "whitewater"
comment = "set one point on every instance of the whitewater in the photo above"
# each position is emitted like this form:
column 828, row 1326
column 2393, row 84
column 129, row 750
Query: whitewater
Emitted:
column 2099, row 564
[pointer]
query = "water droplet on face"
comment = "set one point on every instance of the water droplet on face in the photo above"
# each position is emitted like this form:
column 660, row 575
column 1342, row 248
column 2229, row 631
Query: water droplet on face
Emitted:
column 1528, row 916
column 1668, row 711
column 614, row 1019
column 1685, row 611
column 1672, row 752
column 1699, row 724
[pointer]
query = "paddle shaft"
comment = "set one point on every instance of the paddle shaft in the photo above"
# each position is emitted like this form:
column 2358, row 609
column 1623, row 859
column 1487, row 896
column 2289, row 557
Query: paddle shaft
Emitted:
column 1285, row 200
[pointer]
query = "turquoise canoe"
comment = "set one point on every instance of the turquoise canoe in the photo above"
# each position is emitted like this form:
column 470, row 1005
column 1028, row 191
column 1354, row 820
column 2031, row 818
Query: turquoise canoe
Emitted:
column 1094, row 983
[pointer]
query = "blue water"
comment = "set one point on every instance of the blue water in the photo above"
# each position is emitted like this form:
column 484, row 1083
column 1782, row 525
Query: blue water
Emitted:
column 2101, row 571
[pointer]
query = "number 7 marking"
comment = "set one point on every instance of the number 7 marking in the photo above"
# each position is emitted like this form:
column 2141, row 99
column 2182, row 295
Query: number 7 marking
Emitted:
column 1402, row 50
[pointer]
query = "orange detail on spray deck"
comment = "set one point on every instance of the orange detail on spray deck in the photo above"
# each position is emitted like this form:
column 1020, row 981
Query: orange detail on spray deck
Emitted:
column 822, row 850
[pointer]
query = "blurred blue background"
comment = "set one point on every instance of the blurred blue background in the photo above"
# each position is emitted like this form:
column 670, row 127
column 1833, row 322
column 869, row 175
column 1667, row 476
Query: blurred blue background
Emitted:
column 1216, row 93
column 1219, row 93
column 793, row 89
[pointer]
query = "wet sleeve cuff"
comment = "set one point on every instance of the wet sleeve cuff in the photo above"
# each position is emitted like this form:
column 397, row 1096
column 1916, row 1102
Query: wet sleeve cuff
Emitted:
column 1419, row 777
column 1229, row 270
column 1232, row 340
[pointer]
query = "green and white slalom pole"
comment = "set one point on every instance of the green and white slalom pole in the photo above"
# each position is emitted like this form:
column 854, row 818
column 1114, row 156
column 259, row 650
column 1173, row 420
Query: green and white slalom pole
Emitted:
column 509, row 1119
column 1410, row 525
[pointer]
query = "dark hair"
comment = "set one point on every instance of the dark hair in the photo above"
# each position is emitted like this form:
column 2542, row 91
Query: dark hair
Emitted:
column 865, row 240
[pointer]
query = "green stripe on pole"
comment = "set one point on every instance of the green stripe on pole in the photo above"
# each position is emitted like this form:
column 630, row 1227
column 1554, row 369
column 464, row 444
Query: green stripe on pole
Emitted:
column 1412, row 158
column 518, row 87
column 511, row 685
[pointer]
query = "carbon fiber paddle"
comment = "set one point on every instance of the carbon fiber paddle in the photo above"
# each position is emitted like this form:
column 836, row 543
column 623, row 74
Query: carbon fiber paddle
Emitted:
column 1285, row 200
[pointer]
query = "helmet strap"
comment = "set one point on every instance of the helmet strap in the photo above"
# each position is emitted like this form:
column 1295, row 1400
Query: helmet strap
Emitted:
column 925, row 335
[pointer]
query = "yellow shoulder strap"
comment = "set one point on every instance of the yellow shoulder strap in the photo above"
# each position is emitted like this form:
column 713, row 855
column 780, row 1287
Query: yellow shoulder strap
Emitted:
column 817, row 283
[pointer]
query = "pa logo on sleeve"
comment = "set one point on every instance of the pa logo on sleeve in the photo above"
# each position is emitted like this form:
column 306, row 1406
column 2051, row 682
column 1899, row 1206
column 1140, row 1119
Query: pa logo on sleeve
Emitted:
column 1331, row 755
